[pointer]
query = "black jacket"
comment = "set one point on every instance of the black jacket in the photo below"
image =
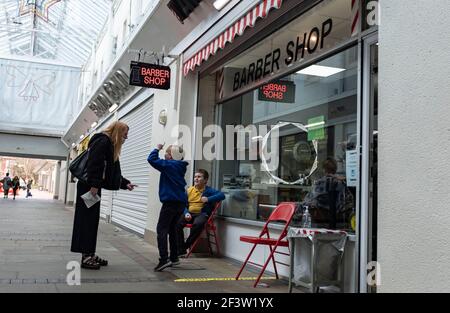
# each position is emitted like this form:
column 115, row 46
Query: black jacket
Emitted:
column 102, row 171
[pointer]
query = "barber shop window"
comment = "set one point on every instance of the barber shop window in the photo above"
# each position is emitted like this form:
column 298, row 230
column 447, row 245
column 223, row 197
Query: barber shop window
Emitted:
column 314, row 113
column 287, row 137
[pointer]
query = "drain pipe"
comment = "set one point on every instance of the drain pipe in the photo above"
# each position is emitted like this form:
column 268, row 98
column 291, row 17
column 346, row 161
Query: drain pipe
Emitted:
column 67, row 177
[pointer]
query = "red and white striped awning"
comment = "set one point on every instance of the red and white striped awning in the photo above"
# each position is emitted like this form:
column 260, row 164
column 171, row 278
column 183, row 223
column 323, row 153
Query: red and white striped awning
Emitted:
column 261, row 10
column 356, row 5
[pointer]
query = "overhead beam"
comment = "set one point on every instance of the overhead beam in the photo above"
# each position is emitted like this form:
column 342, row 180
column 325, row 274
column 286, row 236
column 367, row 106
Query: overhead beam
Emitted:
column 34, row 60
column 33, row 34
column 12, row 29
column 32, row 146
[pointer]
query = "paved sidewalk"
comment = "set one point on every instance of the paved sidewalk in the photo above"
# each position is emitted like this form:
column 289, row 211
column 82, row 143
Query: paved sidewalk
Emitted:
column 35, row 239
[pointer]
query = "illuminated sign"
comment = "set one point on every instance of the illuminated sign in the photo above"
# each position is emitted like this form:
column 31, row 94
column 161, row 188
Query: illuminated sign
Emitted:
column 277, row 91
column 150, row 75
column 294, row 51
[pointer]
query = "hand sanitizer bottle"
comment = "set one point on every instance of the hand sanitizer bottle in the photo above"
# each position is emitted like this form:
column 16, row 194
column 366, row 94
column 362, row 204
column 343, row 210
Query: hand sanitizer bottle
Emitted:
column 306, row 220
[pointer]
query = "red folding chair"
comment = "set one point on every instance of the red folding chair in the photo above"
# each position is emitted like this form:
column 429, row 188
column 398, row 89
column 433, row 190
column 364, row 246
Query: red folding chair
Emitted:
column 282, row 213
column 210, row 229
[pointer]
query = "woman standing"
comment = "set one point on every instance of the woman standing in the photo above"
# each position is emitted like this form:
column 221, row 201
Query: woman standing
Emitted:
column 103, row 171
column 15, row 186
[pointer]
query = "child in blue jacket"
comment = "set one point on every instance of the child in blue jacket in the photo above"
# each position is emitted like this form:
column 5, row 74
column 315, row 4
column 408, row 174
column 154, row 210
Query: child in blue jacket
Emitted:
column 173, row 196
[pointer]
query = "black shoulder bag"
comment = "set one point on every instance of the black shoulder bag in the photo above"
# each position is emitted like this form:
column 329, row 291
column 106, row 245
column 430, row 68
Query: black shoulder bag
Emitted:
column 78, row 167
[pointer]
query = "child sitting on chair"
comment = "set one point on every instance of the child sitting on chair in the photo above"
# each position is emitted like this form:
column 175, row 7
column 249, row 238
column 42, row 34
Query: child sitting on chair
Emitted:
column 201, row 202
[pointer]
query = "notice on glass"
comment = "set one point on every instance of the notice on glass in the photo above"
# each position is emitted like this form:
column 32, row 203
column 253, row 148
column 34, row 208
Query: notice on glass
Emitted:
column 352, row 168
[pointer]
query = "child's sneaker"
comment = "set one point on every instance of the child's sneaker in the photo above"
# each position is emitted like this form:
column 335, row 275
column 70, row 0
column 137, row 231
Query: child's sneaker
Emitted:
column 162, row 265
column 175, row 262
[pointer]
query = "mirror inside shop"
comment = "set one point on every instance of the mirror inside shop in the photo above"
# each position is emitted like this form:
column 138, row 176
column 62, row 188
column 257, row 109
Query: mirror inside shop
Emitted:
column 314, row 111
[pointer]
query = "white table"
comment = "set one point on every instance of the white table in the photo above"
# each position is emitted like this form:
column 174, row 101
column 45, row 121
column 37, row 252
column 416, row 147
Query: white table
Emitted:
column 316, row 257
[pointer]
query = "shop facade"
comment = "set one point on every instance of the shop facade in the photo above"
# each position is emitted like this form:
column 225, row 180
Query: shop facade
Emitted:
column 283, row 89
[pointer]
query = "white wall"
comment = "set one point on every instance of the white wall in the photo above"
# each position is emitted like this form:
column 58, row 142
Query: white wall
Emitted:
column 62, row 181
column 130, row 11
column 414, row 146
column 232, row 247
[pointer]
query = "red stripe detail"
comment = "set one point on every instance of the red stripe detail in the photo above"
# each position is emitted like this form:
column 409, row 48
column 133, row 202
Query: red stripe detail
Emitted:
column 225, row 37
column 355, row 22
column 249, row 19
column 353, row 3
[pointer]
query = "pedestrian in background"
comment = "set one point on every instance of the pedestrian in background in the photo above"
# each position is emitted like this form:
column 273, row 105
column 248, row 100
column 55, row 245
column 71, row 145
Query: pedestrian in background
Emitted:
column 173, row 196
column 15, row 186
column 103, row 171
column 29, row 184
column 6, row 185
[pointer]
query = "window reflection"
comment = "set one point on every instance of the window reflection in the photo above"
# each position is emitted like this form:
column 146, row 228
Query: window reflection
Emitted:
column 322, row 99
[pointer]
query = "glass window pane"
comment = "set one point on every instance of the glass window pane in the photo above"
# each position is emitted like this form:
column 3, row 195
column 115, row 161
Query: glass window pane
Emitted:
column 318, row 134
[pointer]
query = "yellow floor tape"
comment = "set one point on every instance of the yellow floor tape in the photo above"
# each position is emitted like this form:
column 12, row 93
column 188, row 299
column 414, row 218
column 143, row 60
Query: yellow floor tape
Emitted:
column 206, row 279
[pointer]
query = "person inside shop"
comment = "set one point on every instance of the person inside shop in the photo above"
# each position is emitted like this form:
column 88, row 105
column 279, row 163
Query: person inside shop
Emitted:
column 329, row 202
column 201, row 202
column 172, row 195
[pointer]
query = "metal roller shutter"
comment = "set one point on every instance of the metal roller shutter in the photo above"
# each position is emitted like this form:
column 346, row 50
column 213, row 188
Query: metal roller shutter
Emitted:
column 105, row 204
column 130, row 208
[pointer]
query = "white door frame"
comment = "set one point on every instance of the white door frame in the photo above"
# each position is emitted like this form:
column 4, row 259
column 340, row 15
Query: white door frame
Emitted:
column 365, row 219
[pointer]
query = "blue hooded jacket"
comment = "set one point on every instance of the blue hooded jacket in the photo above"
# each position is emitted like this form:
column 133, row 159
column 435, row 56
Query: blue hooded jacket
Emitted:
column 171, row 182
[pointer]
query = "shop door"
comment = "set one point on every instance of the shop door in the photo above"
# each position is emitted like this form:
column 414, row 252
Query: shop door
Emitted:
column 369, row 179
column 129, row 209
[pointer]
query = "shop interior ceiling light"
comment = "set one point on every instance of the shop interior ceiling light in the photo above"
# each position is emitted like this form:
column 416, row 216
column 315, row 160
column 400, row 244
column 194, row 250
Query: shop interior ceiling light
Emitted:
column 94, row 124
column 113, row 108
column 315, row 124
column 219, row 4
column 321, row 71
